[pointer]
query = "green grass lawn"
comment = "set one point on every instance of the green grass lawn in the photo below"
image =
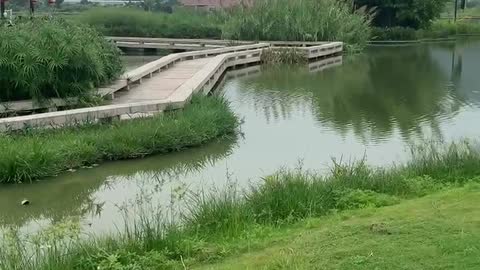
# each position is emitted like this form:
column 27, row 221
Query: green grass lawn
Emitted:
column 440, row 231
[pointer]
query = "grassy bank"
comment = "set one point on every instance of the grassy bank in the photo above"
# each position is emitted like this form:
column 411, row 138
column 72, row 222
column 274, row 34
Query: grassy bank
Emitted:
column 49, row 58
column 438, row 30
column 137, row 23
column 38, row 154
column 435, row 232
column 226, row 224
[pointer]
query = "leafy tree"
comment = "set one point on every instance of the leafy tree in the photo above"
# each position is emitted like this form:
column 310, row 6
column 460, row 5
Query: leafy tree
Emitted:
column 406, row 13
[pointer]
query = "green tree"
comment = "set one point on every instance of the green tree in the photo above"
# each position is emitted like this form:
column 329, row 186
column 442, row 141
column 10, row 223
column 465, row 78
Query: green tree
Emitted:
column 406, row 13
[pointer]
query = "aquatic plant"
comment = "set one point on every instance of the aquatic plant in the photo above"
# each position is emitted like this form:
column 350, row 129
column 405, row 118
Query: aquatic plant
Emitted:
column 283, row 56
column 35, row 154
column 46, row 58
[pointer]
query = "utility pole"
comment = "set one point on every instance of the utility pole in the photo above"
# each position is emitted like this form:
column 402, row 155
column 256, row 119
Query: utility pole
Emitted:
column 32, row 7
column 2, row 9
column 456, row 11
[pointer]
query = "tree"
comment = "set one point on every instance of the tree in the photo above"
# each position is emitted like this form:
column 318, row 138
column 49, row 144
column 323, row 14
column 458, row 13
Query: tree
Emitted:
column 406, row 13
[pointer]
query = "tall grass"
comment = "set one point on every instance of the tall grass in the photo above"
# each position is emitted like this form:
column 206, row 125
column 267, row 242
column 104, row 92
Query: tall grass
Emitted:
column 42, row 153
column 134, row 22
column 300, row 20
column 44, row 58
column 216, row 220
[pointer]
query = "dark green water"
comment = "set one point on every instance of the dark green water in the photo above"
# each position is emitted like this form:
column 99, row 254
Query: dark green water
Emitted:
column 374, row 105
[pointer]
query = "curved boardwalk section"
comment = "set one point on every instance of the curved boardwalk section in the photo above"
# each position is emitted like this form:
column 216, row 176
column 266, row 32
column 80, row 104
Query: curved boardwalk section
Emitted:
column 167, row 83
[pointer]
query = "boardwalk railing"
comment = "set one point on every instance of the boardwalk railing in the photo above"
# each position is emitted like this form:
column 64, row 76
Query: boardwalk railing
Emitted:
column 174, row 44
column 128, row 79
column 137, row 75
column 203, row 81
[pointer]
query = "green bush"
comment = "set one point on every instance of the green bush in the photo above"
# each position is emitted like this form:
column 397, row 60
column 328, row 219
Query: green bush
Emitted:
column 45, row 58
column 301, row 20
column 42, row 153
column 137, row 23
column 412, row 13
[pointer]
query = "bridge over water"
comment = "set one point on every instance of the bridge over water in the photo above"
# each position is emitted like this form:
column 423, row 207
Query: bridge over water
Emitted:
column 167, row 83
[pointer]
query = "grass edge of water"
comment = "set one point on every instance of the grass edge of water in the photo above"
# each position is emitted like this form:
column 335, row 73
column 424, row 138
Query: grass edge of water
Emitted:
column 38, row 154
column 216, row 221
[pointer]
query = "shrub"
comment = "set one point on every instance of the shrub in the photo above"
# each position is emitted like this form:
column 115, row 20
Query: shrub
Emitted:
column 45, row 58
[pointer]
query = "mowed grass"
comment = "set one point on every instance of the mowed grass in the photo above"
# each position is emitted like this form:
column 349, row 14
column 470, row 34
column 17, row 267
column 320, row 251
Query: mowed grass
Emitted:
column 35, row 154
column 440, row 231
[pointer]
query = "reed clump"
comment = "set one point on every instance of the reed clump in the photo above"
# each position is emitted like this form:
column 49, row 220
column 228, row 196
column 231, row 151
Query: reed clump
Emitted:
column 290, row 56
column 50, row 58
column 301, row 20
column 133, row 22
column 36, row 154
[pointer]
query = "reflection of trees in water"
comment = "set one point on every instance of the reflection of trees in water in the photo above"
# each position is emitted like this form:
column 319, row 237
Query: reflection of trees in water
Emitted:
column 71, row 194
column 371, row 94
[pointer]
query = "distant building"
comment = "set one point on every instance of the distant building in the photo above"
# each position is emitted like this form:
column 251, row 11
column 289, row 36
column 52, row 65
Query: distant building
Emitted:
column 214, row 4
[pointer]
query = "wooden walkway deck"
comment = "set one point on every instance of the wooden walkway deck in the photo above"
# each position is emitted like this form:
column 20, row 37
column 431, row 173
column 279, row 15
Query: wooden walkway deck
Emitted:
column 161, row 86
column 167, row 83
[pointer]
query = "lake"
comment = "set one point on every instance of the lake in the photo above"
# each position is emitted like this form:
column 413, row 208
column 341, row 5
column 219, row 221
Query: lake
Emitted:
column 374, row 106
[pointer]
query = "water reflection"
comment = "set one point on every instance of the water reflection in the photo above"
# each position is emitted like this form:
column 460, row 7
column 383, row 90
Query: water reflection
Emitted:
column 79, row 194
column 373, row 94
column 373, row 104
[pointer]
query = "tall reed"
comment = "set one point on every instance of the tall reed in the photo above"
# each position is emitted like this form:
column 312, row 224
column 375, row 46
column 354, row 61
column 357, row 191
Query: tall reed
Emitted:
column 116, row 21
column 300, row 20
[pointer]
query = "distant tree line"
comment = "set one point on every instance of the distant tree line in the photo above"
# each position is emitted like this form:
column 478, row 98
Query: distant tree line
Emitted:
column 406, row 13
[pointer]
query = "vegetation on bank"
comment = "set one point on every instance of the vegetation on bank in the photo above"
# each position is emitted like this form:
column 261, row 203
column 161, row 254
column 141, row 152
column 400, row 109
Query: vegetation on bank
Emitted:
column 50, row 58
column 138, row 23
column 230, row 222
column 36, row 154
column 415, row 14
column 435, row 232
column 302, row 20
column 438, row 30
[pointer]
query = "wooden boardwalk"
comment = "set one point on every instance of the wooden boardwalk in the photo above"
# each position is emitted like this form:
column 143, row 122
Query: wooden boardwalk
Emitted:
column 163, row 85
column 167, row 83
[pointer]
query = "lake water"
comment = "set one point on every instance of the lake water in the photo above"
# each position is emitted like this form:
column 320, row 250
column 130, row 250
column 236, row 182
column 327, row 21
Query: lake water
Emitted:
column 375, row 105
